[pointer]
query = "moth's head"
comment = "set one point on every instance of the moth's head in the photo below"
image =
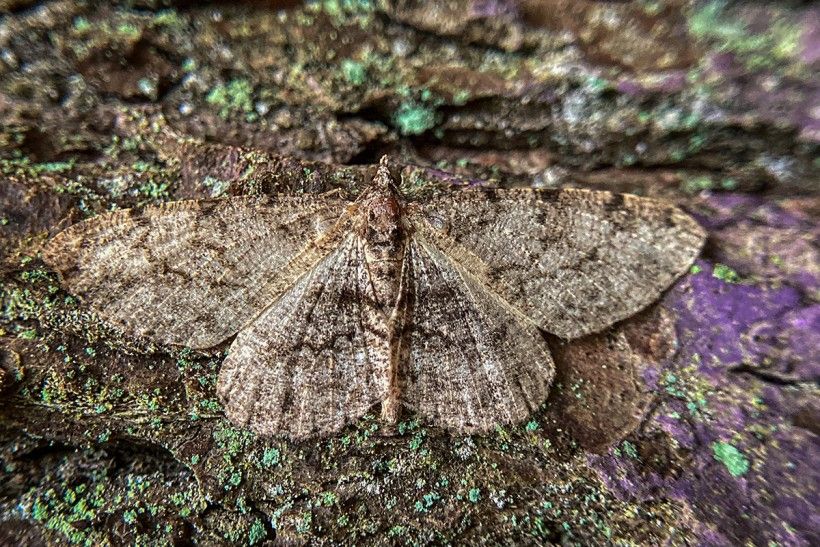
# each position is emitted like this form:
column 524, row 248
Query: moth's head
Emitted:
column 384, row 180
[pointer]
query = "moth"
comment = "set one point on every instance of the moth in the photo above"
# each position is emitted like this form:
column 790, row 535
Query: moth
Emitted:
column 338, row 305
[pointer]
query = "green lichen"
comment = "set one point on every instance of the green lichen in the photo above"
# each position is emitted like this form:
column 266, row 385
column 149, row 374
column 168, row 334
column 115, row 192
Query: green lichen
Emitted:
column 211, row 405
column 731, row 457
column 148, row 87
column 413, row 118
column 217, row 186
column 427, row 501
column 169, row 18
column 232, row 443
column 630, row 450
column 728, row 184
column 257, row 532
column 270, row 457
column 130, row 516
column 461, row 97
column 88, row 201
column 343, row 8
column 57, row 166
column 692, row 392
column 27, row 334
column 235, row 97
column 81, row 24
column 417, row 440
column 725, row 273
column 697, row 184
column 328, row 498
column 23, row 166
column 66, row 510
column 354, row 72
column 128, row 30
column 693, row 185
column 155, row 190
column 304, row 523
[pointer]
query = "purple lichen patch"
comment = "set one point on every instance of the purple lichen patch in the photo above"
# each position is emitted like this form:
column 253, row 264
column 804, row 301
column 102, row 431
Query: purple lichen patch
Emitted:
column 772, row 241
column 716, row 316
column 733, row 434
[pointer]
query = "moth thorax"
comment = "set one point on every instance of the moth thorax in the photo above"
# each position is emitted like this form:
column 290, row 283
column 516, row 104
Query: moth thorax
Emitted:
column 383, row 228
column 383, row 235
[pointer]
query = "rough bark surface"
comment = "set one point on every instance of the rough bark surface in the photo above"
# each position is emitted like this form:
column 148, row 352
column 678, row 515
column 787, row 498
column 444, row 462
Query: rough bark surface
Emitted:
column 694, row 421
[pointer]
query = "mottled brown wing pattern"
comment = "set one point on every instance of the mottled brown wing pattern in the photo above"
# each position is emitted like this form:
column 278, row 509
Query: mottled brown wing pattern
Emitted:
column 575, row 261
column 307, row 283
column 471, row 360
column 311, row 362
column 192, row 272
